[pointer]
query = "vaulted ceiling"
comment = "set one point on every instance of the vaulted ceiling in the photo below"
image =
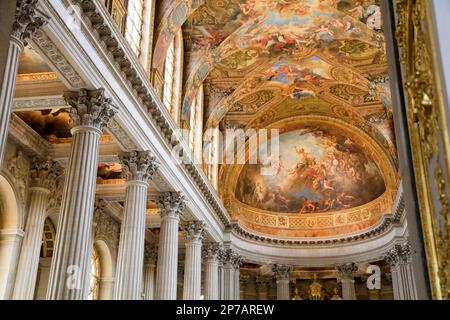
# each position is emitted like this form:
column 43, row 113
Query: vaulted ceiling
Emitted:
column 317, row 71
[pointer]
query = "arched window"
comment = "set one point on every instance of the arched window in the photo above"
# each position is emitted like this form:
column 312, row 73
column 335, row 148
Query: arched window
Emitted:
column 94, row 283
column 134, row 24
column 196, row 124
column 169, row 75
column 173, row 76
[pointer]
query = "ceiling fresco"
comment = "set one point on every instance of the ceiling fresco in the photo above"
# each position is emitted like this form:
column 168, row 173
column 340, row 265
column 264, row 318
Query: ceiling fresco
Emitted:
column 262, row 30
column 271, row 63
column 320, row 169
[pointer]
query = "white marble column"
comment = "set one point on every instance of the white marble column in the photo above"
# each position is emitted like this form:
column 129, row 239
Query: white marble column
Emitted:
column 26, row 22
column 211, row 253
column 193, row 233
column 10, row 240
column 137, row 167
column 171, row 205
column 403, row 281
column 43, row 181
column 150, row 258
column 91, row 112
column 227, row 275
column 346, row 273
column 237, row 262
column 282, row 274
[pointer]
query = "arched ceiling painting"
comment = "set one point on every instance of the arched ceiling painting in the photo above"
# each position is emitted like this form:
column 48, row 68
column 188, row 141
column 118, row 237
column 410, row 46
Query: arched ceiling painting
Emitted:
column 265, row 62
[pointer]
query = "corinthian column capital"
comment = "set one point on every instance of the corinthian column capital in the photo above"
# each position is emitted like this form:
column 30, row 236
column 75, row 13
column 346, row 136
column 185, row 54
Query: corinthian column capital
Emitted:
column 150, row 253
column 171, row 204
column 211, row 251
column 90, row 108
column 282, row 271
column 44, row 173
column 399, row 254
column 138, row 165
column 27, row 20
column 347, row 270
column 194, row 230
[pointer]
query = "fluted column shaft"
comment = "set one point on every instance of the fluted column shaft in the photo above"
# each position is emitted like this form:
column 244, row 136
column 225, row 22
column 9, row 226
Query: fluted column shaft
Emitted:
column 7, row 90
column 211, row 252
column 212, row 279
column 70, row 264
column 192, row 271
column 283, row 289
column 231, row 262
column 31, row 245
column 166, row 272
column 131, row 246
column 227, row 282
column 137, row 167
column 348, row 288
column 91, row 112
column 346, row 272
column 403, row 282
column 193, row 232
column 282, row 273
column 26, row 22
column 150, row 258
column 43, row 176
column 149, row 281
column 171, row 204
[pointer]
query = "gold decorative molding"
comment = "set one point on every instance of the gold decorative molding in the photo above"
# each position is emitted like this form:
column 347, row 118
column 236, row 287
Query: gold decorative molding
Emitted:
column 428, row 130
column 37, row 76
column 314, row 224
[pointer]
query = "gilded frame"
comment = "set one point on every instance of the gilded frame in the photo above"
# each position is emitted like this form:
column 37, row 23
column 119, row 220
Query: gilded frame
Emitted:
column 429, row 136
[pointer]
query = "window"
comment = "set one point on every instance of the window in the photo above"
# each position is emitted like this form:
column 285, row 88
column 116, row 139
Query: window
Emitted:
column 169, row 76
column 134, row 24
column 196, row 125
column 173, row 73
column 95, row 277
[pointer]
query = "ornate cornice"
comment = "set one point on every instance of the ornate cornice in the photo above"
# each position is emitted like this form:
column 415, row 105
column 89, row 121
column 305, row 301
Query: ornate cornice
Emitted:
column 121, row 136
column 194, row 230
column 27, row 20
column 138, row 165
column 171, row 204
column 90, row 108
column 30, row 141
column 44, row 173
column 58, row 60
column 385, row 225
column 50, row 102
column 347, row 270
column 282, row 271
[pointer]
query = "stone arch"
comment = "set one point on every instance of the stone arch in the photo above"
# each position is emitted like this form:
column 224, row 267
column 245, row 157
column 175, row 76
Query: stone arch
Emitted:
column 106, row 269
column 11, row 234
